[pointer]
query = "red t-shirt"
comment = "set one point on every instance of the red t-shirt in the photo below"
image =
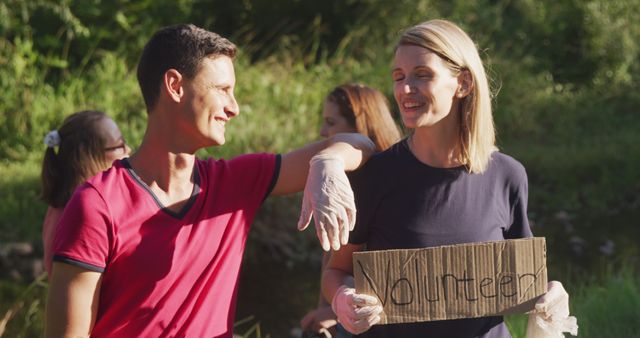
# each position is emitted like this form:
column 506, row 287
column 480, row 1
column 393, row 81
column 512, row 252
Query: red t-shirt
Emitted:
column 165, row 274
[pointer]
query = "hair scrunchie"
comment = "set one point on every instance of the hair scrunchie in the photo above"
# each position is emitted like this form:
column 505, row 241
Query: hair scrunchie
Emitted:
column 52, row 139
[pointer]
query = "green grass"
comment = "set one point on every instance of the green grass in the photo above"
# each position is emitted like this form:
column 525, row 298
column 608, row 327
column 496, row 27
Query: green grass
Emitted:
column 21, row 213
column 22, row 308
column 607, row 307
column 610, row 308
column 517, row 325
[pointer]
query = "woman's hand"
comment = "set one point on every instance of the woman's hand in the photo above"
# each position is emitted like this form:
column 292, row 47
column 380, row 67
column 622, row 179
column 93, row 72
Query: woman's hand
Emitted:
column 551, row 315
column 356, row 312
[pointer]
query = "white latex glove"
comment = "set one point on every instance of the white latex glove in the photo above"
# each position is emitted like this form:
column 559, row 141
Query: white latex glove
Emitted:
column 551, row 315
column 356, row 312
column 329, row 199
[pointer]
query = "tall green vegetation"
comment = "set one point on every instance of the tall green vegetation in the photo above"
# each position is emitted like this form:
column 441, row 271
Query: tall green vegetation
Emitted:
column 564, row 73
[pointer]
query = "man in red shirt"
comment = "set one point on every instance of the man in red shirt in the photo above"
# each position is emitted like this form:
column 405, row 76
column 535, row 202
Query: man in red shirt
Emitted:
column 152, row 246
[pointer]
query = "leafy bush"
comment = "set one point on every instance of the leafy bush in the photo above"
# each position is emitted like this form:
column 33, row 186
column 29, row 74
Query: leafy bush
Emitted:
column 565, row 75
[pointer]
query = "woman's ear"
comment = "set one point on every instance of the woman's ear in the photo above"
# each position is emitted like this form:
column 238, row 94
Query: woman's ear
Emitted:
column 465, row 84
column 172, row 84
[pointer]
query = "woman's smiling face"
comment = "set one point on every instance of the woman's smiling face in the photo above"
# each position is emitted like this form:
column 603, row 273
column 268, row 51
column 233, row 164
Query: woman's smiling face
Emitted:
column 424, row 88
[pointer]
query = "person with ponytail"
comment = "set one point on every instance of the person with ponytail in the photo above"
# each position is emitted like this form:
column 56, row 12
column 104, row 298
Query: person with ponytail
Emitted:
column 86, row 143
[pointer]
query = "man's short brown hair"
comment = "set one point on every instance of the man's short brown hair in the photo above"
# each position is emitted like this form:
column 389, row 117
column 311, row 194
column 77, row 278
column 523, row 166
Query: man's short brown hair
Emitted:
column 180, row 47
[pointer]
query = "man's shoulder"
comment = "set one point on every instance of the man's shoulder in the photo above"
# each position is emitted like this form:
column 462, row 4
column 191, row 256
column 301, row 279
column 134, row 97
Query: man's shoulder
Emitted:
column 239, row 159
column 108, row 181
column 239, row 167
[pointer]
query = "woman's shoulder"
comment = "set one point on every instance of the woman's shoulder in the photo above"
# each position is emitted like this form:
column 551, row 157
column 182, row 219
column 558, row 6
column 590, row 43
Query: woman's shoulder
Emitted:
column 380, row 163
column 384, row 159
column 505, row 160
column 507, row 166
column 392, row 154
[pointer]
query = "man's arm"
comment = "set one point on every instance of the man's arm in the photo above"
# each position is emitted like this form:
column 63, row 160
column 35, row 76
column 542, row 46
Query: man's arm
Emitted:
column 72, row 303
column 353, row 149
column 328, row 197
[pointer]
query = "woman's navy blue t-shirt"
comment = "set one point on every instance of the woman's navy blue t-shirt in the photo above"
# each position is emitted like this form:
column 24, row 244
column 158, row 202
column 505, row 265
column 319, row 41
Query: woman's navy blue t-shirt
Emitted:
column 403, row 203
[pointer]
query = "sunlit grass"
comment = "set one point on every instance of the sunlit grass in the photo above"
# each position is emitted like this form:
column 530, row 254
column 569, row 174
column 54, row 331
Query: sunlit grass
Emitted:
column 21, row 212
column 606, row 307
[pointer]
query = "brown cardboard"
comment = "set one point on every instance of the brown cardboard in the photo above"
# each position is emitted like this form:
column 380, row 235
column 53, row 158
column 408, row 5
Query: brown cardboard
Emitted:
column 454, row 281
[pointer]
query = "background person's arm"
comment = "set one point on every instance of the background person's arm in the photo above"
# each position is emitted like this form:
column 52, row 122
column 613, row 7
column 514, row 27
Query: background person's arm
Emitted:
column 72, row 303
column 322, row 317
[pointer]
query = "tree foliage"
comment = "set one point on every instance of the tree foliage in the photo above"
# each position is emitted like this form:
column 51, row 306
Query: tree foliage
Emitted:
column 566, row 71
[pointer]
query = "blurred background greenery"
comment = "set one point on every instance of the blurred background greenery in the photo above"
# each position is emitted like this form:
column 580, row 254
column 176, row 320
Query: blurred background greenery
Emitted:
column 565, row 74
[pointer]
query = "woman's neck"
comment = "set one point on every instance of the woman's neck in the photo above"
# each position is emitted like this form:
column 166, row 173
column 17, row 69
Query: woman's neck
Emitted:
column 437, row 147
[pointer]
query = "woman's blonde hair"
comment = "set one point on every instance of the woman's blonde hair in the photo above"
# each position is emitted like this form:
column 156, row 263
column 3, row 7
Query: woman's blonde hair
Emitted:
column 367, row 110
column 459, row 53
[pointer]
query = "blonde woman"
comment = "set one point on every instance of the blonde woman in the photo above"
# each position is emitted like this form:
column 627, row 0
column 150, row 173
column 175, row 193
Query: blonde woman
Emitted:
column 444, row 184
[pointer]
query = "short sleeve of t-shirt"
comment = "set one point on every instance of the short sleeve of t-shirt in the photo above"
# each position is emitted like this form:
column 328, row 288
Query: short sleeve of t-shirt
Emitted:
column 86, row 231
column 83, row 233
column 249, row 178
column 518, row 199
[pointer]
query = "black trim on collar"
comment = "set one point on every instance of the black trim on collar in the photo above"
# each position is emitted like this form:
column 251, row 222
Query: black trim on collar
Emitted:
column 185, row 209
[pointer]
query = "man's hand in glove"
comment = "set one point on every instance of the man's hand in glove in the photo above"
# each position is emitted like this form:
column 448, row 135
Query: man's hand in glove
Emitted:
column 329, row 199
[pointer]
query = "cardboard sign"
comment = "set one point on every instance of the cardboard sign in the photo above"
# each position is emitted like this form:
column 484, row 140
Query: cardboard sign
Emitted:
column 454, row 281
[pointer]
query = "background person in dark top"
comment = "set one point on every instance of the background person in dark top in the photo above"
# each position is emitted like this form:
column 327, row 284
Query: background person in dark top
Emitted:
column 444, row 184
column 350, row 108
